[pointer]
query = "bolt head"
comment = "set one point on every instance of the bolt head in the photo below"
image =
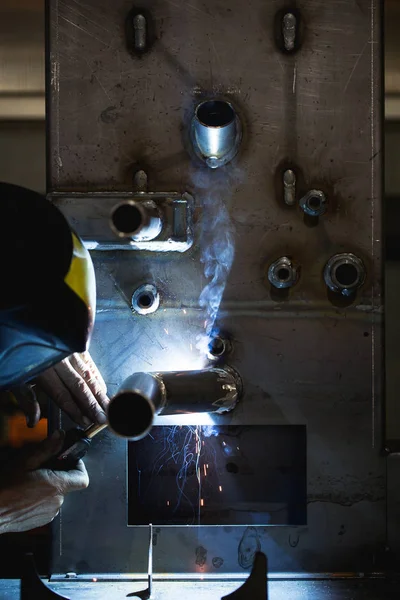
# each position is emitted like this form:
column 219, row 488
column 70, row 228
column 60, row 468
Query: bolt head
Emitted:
column 314, row 203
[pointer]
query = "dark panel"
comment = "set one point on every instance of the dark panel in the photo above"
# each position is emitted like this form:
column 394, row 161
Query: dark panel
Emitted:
column 218, row 475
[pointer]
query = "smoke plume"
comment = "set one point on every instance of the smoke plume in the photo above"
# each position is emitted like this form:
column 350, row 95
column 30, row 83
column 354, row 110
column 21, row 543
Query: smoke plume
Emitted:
column 214, row 190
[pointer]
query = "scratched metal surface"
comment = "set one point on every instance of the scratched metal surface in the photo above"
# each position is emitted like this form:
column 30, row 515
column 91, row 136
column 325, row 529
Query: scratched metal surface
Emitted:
column 303, row 361
column 278, row 590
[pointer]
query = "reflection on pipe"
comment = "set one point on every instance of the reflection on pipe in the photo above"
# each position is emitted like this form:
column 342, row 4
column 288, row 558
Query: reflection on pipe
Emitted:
column 143, row 395
column 140, row 221
column 216, row 132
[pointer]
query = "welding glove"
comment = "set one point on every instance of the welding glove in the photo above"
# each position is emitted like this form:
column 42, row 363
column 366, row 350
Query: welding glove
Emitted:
column 75, row 385
column 31, row 497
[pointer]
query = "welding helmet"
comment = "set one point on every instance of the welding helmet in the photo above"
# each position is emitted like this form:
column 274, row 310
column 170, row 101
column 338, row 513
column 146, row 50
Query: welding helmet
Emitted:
column 47, row 289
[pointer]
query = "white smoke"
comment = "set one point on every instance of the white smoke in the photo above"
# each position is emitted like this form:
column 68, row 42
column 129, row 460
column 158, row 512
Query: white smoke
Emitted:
column 214, row 191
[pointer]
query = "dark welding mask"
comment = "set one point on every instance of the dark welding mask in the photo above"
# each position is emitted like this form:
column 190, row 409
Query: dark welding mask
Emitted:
column 47, row 287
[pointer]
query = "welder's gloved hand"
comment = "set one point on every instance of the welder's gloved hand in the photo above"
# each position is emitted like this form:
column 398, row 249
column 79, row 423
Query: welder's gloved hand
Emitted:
column 31, row 497
column 77, row 387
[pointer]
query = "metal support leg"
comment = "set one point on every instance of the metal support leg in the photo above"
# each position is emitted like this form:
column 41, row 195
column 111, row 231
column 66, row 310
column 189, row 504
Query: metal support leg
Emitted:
column 32, row 587
column 256, row 586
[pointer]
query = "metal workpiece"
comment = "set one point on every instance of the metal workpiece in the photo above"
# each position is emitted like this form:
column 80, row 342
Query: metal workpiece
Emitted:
column 283, row 273
column 215, row 132
column 109, row 109
column 145, row 299
column 289, row 27
column 289, row 187
column 142, row 396
column 314, row 203
column 344, row 273
column 156, row 222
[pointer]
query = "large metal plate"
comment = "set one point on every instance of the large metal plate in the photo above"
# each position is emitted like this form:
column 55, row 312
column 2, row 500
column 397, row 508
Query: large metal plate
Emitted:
column 304, row 361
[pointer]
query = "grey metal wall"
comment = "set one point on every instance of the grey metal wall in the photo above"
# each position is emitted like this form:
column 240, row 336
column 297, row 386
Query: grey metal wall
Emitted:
column 303, row 361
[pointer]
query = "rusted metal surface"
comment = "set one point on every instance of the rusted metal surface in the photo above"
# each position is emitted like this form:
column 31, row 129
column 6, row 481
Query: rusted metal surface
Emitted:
column 307, row 357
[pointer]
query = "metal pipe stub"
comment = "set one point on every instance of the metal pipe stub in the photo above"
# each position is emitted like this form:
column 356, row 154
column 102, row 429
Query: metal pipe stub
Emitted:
column 344, row 273
column 142, row 396
column 139, row 221
column 215, row 132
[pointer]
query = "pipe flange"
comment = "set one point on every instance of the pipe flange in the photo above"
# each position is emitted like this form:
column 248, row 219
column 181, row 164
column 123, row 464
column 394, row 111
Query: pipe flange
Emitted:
column 145, row 299
column 282, row 274
column 344, row 273
column 313, row 203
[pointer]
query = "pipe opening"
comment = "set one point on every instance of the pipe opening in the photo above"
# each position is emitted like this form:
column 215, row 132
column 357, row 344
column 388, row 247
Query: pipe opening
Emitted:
column 217, row 346
column 130, row 415
column 283, row 274
column 346, row 275
column 314, row 202
column 127, row 218
column 215, row 113
column 145, row 300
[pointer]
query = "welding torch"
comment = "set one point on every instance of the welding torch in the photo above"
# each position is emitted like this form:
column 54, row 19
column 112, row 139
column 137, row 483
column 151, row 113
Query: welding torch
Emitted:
column 76, row 443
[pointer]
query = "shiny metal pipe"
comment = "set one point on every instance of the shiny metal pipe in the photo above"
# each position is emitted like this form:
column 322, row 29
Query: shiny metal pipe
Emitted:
column 215, row 132
column 142, row 396
column 140, row 221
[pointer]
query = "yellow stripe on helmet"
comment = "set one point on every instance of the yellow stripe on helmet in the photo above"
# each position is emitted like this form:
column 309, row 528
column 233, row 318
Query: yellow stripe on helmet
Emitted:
column 80, row 277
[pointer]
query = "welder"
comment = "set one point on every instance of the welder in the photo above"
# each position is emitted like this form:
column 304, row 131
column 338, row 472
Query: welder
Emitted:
column 47, row 310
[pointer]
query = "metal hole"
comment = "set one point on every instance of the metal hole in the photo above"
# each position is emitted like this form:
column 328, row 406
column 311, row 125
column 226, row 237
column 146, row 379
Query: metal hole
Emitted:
column 346, row 274
column 127, row 218
column 283, row 274
column 215, row 113
column 217, row 346
column 145, row 300
column 314, row 202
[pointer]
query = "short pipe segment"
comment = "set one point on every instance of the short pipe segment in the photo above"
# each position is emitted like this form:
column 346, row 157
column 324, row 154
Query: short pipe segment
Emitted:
column 216, row 132
column 142, row 396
